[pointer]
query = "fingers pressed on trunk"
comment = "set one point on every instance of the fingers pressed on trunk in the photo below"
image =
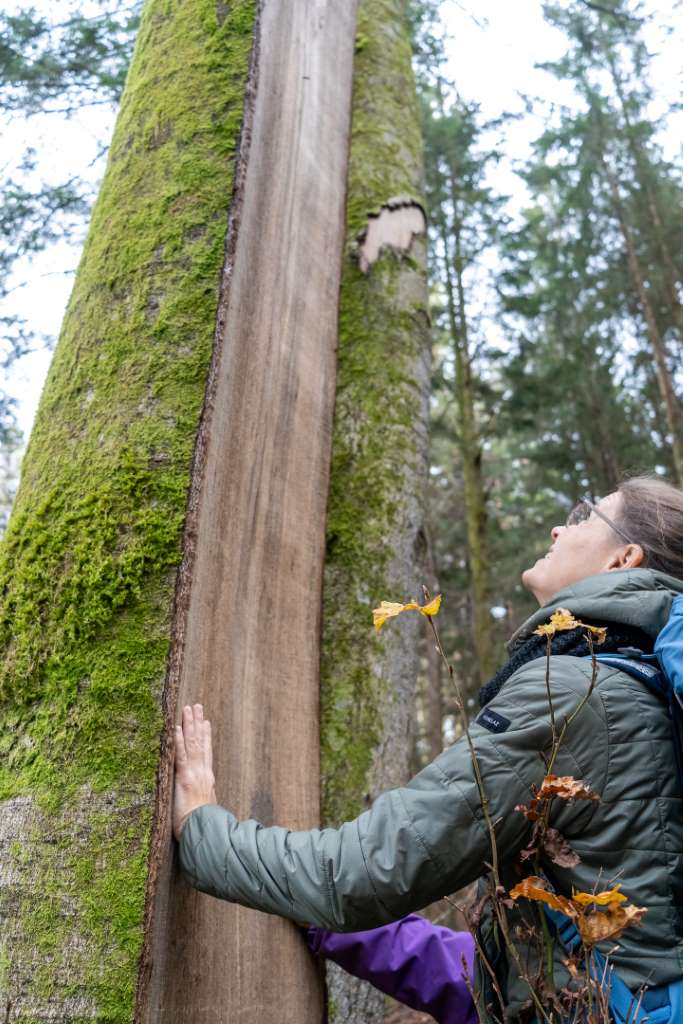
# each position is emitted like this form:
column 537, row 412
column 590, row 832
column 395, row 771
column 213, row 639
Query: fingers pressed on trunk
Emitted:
column 208, row 747
column 188, row 724
column 179, row 744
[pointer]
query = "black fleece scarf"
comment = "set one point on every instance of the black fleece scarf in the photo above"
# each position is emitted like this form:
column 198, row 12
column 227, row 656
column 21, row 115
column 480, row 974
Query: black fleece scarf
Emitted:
column 572, row 642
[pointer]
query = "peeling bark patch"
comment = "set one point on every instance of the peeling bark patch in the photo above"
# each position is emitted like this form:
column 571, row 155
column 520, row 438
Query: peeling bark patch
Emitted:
column 396, row 225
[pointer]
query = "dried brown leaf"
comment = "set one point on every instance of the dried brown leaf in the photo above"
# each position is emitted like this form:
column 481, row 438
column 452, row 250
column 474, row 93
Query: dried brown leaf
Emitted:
column 608, row 924
column 535, row 888
column 530, row 811
column 566, row 787
column 559, row 850
column 573, row 965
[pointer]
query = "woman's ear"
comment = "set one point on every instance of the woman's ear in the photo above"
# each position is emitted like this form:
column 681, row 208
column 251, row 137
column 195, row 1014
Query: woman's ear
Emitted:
column 628, row 557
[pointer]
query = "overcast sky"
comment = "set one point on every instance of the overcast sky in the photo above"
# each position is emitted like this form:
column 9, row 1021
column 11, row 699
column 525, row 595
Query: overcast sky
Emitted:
column 491, row 58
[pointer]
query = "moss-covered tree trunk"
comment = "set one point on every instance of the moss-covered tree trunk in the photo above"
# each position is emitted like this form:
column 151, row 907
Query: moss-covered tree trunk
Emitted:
column 375, row 540
column 167, row 542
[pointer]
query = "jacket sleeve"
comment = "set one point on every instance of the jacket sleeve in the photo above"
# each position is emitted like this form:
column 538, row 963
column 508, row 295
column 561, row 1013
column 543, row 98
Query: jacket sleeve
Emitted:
column 419, row 963
column 415, row 844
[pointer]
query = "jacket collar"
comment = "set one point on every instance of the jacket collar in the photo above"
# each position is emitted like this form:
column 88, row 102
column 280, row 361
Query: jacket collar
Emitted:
column 633, row 597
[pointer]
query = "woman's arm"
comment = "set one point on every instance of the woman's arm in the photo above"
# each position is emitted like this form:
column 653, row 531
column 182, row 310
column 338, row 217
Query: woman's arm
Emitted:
column 415, row 844
column 419, row 963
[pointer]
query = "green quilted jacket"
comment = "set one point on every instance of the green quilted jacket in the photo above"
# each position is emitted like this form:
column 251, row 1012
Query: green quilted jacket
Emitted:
column 428, row 839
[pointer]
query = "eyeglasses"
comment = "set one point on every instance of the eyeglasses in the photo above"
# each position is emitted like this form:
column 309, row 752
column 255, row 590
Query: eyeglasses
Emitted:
column 582, row 511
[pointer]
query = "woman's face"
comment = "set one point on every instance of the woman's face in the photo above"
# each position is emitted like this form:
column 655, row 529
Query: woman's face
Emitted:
column 588, row 548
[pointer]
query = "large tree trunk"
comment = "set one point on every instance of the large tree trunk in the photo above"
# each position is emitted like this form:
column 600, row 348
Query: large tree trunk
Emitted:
column 672, row 406
column 379, row 466
column 645, row 179
column 469, row 445
column 219, row 229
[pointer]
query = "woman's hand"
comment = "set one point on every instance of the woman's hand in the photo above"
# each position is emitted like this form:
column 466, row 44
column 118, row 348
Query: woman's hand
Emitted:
column 194, row 779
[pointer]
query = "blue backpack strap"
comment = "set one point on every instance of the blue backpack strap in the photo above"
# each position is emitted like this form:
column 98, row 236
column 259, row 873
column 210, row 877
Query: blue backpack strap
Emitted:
column 643, row 667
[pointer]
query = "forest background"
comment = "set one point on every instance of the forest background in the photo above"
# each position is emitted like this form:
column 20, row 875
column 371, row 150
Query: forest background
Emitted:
column 556, row 293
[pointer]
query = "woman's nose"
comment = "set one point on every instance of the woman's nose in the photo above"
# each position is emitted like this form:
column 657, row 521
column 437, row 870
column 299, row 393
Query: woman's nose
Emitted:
column 555, row 532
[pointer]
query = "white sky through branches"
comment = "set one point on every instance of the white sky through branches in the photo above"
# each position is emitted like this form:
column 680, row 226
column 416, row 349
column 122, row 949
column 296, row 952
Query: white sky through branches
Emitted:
column 493, row 46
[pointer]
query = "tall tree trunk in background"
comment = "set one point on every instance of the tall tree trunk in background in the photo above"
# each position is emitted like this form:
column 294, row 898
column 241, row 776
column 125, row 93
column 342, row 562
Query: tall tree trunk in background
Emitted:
column 644, row 178
column 431, row 698
column 449, row 222
column 668, row 396
column 380, row 462
column 475, row 493
column 167, row 542
column 469, row 444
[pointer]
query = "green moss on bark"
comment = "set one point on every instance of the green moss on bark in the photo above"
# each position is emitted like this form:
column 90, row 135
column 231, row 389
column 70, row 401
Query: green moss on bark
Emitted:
column 383, row 318
column 88, row 563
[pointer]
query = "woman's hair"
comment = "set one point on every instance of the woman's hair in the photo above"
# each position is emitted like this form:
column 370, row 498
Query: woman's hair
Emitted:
column 652, row 515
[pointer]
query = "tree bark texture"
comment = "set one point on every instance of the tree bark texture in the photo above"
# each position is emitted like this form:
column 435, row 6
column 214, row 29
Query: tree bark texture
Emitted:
column 375, row 537
column 167, row 542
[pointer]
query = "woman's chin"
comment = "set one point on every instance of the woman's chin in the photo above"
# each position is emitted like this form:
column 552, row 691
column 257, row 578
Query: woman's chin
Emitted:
column 533, row 580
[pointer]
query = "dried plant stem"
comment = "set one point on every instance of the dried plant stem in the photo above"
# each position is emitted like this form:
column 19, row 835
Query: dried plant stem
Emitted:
column 483, row 958
column 498, row 908
column 589, row 987
column 547, row 688
column 473, row 754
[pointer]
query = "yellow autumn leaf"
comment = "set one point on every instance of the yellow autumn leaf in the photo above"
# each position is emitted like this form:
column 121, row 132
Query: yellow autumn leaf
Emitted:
column 432, row 607
column 534, row 888
column 390, row 609
column 608, row 898
column 609, row 924
column 562, row 620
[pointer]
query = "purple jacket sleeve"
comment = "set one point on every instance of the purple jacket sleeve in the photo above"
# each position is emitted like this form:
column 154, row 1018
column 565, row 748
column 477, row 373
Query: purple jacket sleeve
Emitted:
column 413, row 960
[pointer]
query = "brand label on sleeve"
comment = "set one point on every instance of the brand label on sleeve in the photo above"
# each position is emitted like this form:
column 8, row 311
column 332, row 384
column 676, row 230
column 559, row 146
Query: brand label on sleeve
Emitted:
column 492, row 721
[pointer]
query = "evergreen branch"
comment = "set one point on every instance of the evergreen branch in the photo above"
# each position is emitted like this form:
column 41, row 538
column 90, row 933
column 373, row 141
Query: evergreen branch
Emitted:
column 618, row 15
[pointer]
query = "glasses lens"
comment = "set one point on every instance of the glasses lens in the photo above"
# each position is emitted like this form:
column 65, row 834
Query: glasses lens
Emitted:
column 579, row 514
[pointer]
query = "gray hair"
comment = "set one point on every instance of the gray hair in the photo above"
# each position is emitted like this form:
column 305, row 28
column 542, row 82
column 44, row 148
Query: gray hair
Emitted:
column 652, row 514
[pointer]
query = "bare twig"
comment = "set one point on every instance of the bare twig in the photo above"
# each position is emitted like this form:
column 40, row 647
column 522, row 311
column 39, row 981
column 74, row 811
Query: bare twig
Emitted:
column 498, row 908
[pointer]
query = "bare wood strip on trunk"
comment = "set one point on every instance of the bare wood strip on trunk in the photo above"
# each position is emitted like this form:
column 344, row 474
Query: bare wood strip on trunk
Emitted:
column 250, row 633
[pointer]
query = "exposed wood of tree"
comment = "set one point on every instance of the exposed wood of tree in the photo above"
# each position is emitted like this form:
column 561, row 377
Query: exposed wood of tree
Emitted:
column 99, row 539
column 264, row 488
column 664, row 382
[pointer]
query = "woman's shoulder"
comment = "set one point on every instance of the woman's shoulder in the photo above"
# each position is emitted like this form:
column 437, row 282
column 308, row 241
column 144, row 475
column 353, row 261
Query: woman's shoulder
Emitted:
column 562, row 679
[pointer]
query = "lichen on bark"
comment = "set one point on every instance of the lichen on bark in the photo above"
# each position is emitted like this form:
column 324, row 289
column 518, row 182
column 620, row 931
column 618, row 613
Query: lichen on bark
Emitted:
column 379, row 460
column 87, row 566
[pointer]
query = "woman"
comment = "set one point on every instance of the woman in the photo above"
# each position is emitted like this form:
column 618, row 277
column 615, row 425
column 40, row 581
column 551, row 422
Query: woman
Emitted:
column 619, row 565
